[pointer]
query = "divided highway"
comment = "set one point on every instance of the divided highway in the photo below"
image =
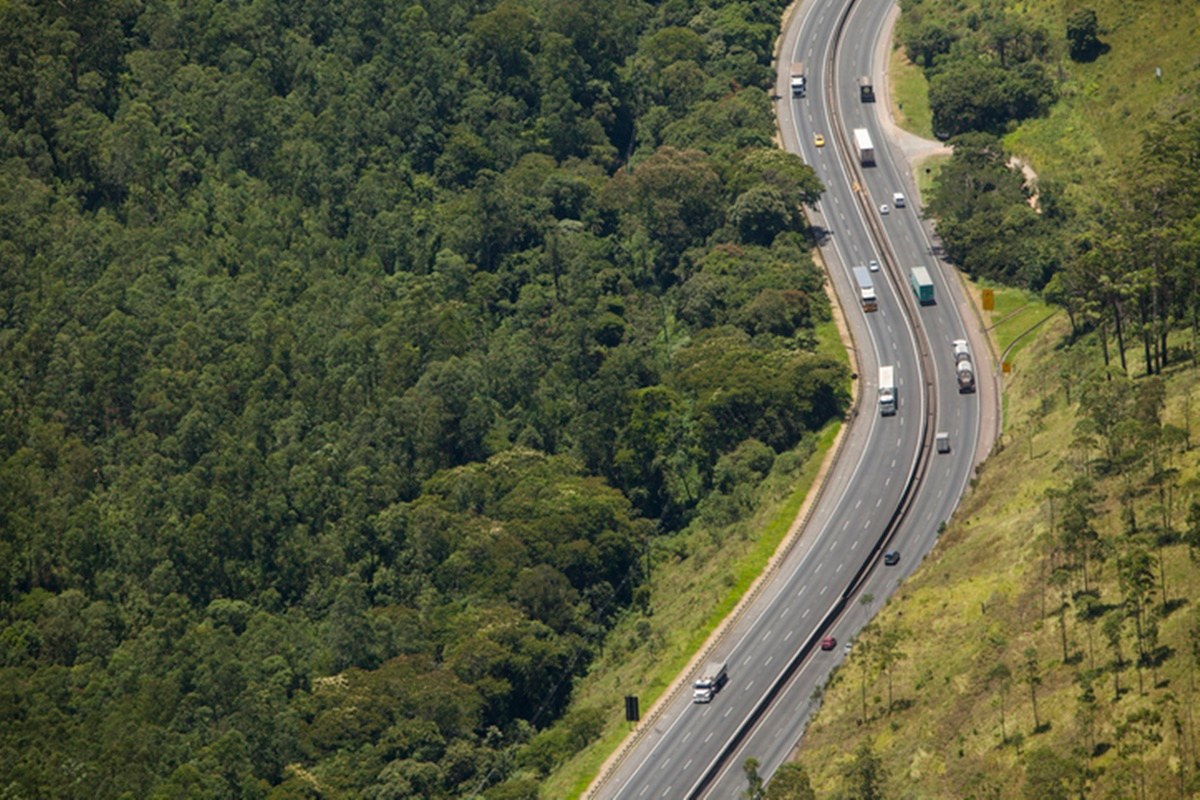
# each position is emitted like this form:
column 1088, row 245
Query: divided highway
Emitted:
column 774, row 665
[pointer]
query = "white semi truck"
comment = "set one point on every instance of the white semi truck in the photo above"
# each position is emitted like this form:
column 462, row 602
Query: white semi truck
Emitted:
column 887, row 391
column 866, row 289
column 710, row 682
column 866, row 150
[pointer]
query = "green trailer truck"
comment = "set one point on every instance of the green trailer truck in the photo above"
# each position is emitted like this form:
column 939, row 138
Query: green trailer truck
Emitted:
column 922, row 285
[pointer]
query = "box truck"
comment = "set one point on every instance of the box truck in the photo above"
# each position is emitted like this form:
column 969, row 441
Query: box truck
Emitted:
column 799, row 82
column 887, row 391
column 866, row 150
column 922, row 285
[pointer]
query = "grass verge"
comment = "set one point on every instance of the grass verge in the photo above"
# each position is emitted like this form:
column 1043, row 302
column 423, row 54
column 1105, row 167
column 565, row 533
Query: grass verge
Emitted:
column 910, row 95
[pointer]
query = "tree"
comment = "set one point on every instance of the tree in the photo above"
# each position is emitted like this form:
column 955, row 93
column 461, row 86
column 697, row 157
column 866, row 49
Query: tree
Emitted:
column 888, row 654
column 1032, row 676
column 1136, row 577
column 978, row 95
column 1049, row 776
column 657, row 455
column 1078, row 536
column 675, row 198
column 1191, row 535
column 790, row 782
column 865, row 657
column 1137, row 734
column 926, row 41
column 985, row 218
column 1112, row 626
column 754, row 782
column 778, row 169
column 1058, row 579
column 763, row 212
column 865, row 776
column 1001, row 675
column 1083, row 35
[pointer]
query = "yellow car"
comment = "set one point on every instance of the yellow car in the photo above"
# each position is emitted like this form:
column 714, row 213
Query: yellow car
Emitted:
column 819, row 139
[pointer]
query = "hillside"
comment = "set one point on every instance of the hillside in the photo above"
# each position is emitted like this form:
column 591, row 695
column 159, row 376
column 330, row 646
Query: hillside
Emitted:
column 1048, row 646
column 1046, row 589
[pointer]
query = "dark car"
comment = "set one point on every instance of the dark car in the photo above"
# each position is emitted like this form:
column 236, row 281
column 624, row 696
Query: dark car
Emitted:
column 828, row 643
column 891, row 558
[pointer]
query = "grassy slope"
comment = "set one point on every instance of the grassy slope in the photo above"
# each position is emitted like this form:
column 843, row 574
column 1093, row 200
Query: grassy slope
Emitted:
column 977, row 599
column 1106, row 104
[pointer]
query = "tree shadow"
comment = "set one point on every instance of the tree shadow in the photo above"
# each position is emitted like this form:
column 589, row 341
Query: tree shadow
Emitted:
column 1095, row 610
column 1160, row 654
column 1045, row 726
column 1173, row 605
column 1092, row 53
column 1100, row 749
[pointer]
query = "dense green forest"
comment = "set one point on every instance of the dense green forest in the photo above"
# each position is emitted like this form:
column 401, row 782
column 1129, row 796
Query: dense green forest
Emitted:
column 351, row 354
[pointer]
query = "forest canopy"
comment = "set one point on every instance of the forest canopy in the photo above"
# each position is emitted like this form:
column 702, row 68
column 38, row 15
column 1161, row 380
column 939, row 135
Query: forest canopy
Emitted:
column 350, row 354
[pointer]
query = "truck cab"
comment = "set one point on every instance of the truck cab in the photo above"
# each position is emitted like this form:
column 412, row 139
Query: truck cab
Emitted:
column 711, row 679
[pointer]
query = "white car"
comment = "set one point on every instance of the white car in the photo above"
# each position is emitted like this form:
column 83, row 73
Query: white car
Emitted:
column 873, row 265
column 883, row 209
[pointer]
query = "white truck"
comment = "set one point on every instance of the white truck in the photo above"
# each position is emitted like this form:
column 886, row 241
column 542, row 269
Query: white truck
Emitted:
column 710, row 682
column 866, row 289
column 799, row 82
column 887, row 391
column 866, row 149
column 963, row 369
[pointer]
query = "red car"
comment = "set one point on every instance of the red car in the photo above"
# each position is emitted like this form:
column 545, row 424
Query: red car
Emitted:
column 828, row 643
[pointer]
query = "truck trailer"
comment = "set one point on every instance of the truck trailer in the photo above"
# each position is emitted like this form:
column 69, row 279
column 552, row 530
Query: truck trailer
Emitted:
column 964, row 371
column 962, row 352
column 866, row 289
column 799, row 82
column 922, row 285
column 887, row 391
column 966, row 376
column 866, row 149
column 710, row 682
